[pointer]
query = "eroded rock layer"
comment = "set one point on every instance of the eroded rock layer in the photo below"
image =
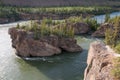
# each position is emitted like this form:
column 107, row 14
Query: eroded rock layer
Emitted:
column 99, row 62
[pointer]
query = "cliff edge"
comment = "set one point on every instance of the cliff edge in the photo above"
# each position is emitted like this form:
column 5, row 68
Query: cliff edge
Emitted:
column 99, row 62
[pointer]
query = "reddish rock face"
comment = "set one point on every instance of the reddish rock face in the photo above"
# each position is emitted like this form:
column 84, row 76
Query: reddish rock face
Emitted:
column 27, row 46
column 99, row 62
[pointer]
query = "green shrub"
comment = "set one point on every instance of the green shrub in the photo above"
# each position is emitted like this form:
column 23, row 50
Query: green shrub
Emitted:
column 112, row 34
column 112, row 38
column 109, row 37
column 115, row 21
column 64, row 31
column 35, row 28
column 18, row 26
column 71, row 32
column 75, row 19
column 116, row 69
column 45, row 30
column 15, row 12
column 92, row 23
column 117, row 48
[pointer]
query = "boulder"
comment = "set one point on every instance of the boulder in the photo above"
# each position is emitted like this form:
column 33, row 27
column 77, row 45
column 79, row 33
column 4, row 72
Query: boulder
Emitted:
column 80, row 28
column 29, row 48
column 26, row 46
column 69, row 45
column 101, row 31
column 99, row 62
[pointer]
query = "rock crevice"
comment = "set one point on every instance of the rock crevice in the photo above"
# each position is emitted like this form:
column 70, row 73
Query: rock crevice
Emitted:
column 99, row 62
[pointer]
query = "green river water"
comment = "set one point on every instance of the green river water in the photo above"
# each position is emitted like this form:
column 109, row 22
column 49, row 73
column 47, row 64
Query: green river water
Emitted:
column 66, row 66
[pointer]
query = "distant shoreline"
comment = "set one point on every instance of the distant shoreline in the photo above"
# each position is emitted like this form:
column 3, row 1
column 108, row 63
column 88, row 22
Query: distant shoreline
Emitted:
column 12, row 13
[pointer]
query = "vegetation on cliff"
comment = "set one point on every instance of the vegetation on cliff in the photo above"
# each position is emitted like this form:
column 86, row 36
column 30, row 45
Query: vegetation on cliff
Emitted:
column 91, row 22
column 112, row 39
column 62, row 12
column 116, row 70
column 61, row 28
column 44, row 29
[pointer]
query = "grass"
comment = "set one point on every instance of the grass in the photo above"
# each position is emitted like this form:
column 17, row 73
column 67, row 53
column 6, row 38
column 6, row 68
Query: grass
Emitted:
column 61, row 27
column 91, row 22
column 117, row 48
column 15, row 12
column 116, row 69
column 112, row 37
column 47, row 30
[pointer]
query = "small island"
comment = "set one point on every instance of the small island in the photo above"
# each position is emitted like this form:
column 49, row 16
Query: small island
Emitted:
column 35, row 40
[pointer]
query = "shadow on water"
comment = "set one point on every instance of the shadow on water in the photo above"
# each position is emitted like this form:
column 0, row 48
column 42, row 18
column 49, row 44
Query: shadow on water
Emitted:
column 66, row 66
column 60, row 67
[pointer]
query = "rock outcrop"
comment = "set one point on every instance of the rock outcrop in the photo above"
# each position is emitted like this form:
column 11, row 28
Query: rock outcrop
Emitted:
column 101, row 31
column 80, row 28
column 26, row 46
column 99, row 62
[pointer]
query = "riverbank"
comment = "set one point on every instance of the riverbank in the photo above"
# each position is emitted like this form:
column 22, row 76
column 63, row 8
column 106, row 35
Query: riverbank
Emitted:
column 11, row 13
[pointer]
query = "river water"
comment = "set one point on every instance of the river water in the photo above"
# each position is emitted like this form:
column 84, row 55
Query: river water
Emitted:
column 66, row 66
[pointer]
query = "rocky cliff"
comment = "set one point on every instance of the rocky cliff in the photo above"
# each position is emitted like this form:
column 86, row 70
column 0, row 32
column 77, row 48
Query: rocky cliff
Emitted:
column 99, row 62
column 100, row 32
column 26, row 46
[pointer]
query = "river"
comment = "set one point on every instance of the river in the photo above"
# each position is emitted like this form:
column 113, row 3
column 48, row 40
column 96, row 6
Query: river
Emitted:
column 66, row 66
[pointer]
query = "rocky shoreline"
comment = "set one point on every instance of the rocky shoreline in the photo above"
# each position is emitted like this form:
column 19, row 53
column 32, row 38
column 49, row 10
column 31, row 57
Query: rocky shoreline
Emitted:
column 27, row 16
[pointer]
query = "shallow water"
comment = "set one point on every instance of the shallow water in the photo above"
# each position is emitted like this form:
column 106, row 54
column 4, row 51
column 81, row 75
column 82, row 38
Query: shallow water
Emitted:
column 101, row 18
column 66, row 66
